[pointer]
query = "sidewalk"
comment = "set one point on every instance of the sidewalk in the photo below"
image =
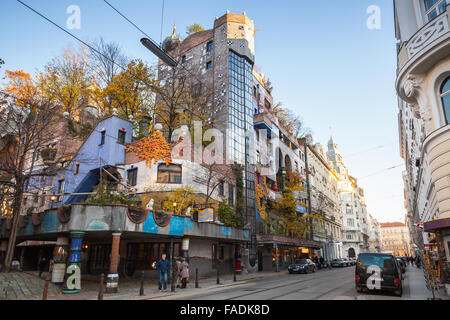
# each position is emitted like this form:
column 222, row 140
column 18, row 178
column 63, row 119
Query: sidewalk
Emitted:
column 417, row 285
column 129, row 288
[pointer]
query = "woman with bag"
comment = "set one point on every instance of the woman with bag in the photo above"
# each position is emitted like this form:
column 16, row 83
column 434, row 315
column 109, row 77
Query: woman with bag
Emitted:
column 184, row 273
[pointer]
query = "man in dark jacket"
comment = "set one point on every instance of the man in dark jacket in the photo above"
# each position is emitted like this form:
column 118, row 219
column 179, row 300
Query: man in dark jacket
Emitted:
column 163, row 267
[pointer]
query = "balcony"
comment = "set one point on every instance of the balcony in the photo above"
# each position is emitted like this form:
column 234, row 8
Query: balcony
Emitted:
column 262, row 121
column 427, row 47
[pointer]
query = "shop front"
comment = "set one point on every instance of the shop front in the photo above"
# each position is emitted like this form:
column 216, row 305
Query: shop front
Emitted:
column 437, row 253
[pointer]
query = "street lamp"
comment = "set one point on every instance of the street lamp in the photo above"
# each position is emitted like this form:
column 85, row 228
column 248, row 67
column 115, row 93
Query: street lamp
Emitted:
column 174, row 206
column 159, row 52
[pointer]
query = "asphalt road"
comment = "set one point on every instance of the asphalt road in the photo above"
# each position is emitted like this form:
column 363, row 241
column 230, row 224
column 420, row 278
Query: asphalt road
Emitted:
column 336, row 284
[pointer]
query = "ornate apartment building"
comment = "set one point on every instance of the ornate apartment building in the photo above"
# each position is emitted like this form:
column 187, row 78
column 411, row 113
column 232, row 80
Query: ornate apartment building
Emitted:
column 423, row 86
column 355, row 221
column 323, row 181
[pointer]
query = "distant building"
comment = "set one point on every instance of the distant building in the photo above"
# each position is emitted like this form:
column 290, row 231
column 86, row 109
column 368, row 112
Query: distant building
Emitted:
column 355, row 221
column 395, row 239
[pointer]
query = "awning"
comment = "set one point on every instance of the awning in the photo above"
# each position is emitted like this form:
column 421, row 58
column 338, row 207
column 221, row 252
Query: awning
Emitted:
column 433, row 226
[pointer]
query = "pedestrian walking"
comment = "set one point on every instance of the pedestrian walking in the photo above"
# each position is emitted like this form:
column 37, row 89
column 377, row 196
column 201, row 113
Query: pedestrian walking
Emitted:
column 178, row 266
column 184, row 273
column 163, row 267
column 41, row 266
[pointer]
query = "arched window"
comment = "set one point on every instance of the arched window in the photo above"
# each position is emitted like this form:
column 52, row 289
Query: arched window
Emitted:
column 445, row 95
column 169, row 174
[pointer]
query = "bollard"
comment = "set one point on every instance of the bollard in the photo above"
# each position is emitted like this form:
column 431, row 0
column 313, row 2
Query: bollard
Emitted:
column 218, row 279
column 100, row 292
column 196, row 278
column 141, row 291
column 172, row 287
column 44, row 294
column 234, row 276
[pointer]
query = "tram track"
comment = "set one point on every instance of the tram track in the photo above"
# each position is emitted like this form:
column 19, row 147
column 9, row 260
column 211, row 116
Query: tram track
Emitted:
column 303, row 281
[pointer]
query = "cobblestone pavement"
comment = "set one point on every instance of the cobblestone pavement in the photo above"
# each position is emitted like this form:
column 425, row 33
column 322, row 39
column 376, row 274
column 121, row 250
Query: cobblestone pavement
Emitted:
column 28, row 286
column 24, row 286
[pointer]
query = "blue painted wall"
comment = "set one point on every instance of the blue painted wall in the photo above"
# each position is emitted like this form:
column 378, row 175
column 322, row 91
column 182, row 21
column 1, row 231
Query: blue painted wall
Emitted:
column 111, row 152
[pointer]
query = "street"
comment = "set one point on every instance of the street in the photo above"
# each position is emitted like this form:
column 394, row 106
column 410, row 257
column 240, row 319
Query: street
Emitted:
column 336, row 284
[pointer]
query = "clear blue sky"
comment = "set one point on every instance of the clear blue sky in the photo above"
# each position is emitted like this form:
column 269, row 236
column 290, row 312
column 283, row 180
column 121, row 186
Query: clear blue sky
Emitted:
column 323, row 61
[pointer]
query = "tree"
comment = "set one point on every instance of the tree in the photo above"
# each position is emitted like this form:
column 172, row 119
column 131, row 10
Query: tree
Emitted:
column 68, row 81
column 151, row 149
column 181, row 99
column 130, row 91
column 291, row 121
column 31, row 126
column 1, row 62
column 20, row 86
column 228, row 216
column 106, row 61
column 194, row 28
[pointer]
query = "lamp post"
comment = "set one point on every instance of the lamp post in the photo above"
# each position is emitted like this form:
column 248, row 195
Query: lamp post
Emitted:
column 159, row 52
column 53, row 198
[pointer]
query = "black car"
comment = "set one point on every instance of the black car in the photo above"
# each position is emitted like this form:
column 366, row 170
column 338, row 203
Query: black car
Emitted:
column 302, row 266
column 378, row 271
column 402, row 264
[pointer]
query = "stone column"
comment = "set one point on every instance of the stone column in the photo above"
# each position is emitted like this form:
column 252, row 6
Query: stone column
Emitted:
column 59, row 260
column 73, row 272
column 112, row 281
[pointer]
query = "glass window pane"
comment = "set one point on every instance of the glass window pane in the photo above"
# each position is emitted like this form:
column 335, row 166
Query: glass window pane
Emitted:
column 446, row 104
column 429, row 4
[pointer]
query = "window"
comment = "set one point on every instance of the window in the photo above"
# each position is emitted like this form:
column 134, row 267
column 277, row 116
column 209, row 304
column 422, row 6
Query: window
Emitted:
column 121, row 137
column 197, row 91
column 433, row 8
column 77, row 168
column 132, row 177
column 169, row 174
column 60, row 190
column 231, row 194
column 102, row 139
column 221, row 188
column 350, row 222
column 209, row 46
column 445, row 95
column 209, row 65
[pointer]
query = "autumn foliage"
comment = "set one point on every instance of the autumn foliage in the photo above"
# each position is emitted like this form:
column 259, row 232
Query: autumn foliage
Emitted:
column 153, row 148
column 20, row 85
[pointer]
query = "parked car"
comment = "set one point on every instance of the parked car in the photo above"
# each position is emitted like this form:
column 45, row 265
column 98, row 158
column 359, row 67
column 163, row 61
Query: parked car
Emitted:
column 347, row 262
column 353, row 260
column 389, row 275
column 402, row 265
column 337, row 263
column 302, row 266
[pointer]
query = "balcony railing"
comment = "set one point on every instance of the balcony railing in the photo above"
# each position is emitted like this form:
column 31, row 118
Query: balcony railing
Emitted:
column 432, row 31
